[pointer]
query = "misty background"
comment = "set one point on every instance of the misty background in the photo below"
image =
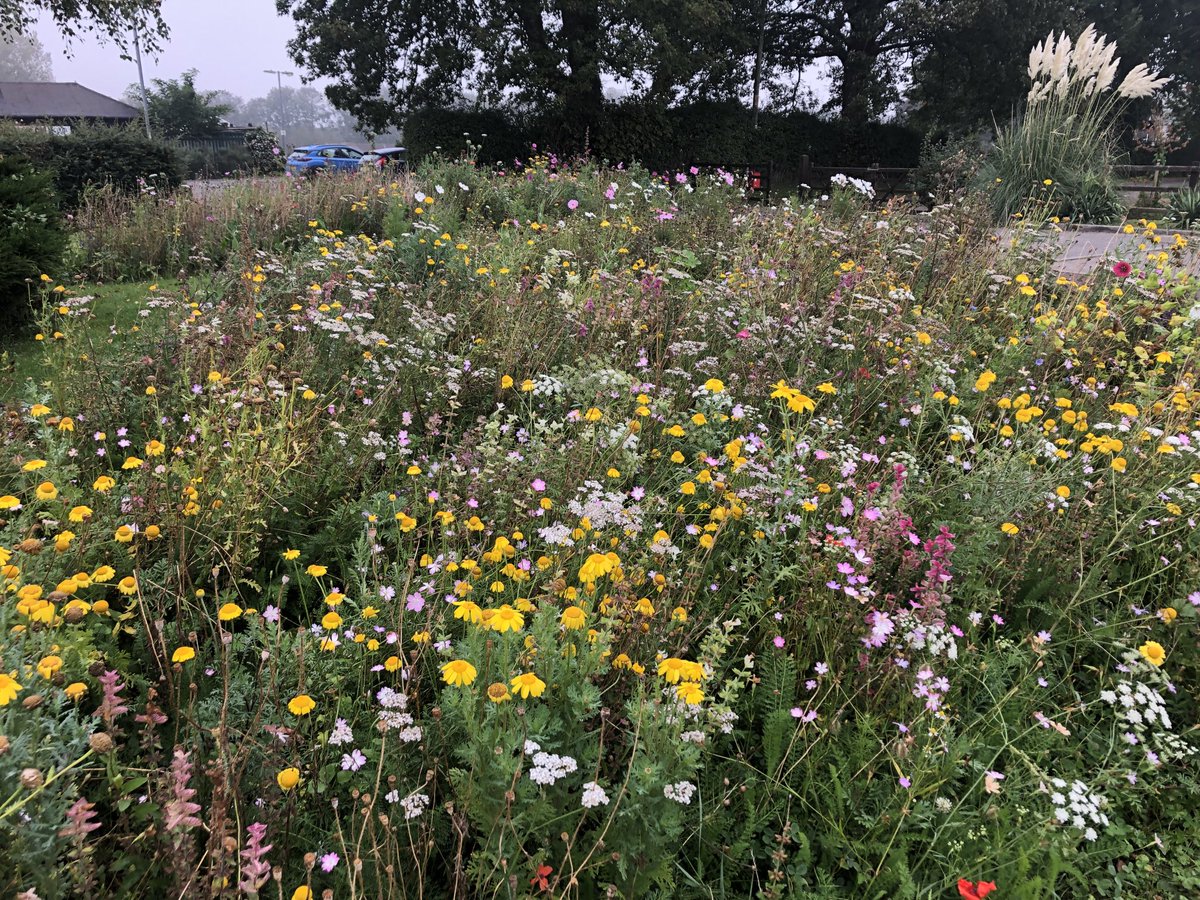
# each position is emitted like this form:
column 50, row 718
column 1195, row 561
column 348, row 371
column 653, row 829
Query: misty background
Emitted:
column 229, row 45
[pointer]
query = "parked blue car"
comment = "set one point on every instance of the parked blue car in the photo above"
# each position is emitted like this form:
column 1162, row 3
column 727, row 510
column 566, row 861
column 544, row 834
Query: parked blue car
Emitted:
column 323, row 158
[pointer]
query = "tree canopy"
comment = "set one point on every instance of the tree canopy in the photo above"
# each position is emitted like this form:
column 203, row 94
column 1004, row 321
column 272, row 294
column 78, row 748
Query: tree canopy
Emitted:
column 951, row 65
column 23, row 58
column 179, row 110
column 109, row 19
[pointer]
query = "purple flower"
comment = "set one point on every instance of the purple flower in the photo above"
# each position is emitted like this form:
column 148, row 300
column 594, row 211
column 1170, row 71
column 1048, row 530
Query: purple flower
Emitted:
column 572, row 204
column 329, row 861
column 778, row 641
column 352, row 762
column 414, row 602
column 904, row 783
column 271, row 613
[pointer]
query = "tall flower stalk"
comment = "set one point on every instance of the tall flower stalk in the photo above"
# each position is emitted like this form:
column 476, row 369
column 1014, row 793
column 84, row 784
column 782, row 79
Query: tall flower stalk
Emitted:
column 1060, row 157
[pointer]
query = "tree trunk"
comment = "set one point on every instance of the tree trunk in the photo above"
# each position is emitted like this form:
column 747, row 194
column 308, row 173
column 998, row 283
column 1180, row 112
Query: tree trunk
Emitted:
column 758, row 61
column 583, row 93
column 854, row 89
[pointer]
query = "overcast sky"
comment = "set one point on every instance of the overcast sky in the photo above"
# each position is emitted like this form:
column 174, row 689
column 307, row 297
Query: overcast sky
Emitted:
column 230, row 42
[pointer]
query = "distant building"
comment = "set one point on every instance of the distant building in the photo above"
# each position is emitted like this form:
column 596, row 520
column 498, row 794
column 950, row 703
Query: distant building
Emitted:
column 60, row 105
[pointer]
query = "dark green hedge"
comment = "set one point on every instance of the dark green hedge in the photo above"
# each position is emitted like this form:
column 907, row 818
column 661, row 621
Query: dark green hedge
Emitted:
column 122, row 157
column 32, row 239
column 665, row 139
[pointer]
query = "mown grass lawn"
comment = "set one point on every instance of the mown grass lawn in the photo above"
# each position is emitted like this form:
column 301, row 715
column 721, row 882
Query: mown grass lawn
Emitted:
column 115, row 310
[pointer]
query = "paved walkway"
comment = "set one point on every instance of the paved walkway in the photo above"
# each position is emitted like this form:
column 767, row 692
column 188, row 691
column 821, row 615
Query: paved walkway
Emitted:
column 1084, row 249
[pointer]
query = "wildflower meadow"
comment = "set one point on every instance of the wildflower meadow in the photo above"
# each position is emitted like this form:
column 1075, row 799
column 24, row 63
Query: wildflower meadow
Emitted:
column 580, row 531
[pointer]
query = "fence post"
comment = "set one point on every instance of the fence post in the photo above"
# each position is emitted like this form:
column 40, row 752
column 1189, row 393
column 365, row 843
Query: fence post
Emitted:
column 1194, row 175
column 805, row 170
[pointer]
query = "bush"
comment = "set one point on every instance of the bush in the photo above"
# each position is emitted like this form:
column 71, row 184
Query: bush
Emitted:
column 32, row 240
column 121, row 157
column 666, row 139
column 1185, row 207
column 497, row 136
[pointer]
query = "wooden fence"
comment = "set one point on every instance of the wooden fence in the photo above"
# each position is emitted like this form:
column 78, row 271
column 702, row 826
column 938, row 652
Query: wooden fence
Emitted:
column 894, row 180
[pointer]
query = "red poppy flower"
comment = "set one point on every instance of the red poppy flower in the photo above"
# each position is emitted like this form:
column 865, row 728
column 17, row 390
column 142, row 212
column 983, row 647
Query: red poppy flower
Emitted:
column 975, row 890
column 1122, row 269
column 540, row 880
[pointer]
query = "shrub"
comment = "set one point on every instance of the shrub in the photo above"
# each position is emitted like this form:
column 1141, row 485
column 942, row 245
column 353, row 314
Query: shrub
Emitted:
column 664, row 139
column 121, row 157
column 32, row 239
column 497, row 135
column 1185, row 207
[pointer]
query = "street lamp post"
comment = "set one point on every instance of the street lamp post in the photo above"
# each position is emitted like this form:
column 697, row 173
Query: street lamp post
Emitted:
column 137, row 53
column 279, row 83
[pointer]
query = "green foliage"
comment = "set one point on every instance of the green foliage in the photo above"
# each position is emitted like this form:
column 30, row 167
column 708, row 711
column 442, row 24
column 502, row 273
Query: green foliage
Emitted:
column 120, row 157
column 32, row 236
column 663, row 139
column 1184, row 205
column 1059, row 158
column 819, row 590
column 75, row 18
column 178, row 110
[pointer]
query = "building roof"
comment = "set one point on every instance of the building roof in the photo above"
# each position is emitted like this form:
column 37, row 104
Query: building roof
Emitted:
column 31, row 101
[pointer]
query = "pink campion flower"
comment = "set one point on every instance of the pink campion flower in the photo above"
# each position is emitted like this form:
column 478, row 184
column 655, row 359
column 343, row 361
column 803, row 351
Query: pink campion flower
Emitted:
column 694, row 170
column 572, row 204
column 778, row 641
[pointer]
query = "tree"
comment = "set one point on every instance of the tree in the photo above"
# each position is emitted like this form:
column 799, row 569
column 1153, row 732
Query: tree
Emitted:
column 179, row 110
column 109, row 19
column 232, row 102
column 386, row 57
column 867, row 42
column 23, row 58
column 284, row 111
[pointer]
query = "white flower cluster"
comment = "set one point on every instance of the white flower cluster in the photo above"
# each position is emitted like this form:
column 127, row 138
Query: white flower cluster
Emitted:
column 393, row 716
column 1079, row 807
column 414, row 805
column 556, row 535
column 341, row 733
column 548, row 767
column 935, row 638
column 858, row 184
column 723, row 719
column 605, row 508
column 1143, row 711
column 593, row 796
column 1142, row 704
column 680, row 792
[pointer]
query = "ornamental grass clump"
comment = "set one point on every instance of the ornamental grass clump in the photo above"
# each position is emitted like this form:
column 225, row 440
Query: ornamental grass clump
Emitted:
column 1059, row 158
